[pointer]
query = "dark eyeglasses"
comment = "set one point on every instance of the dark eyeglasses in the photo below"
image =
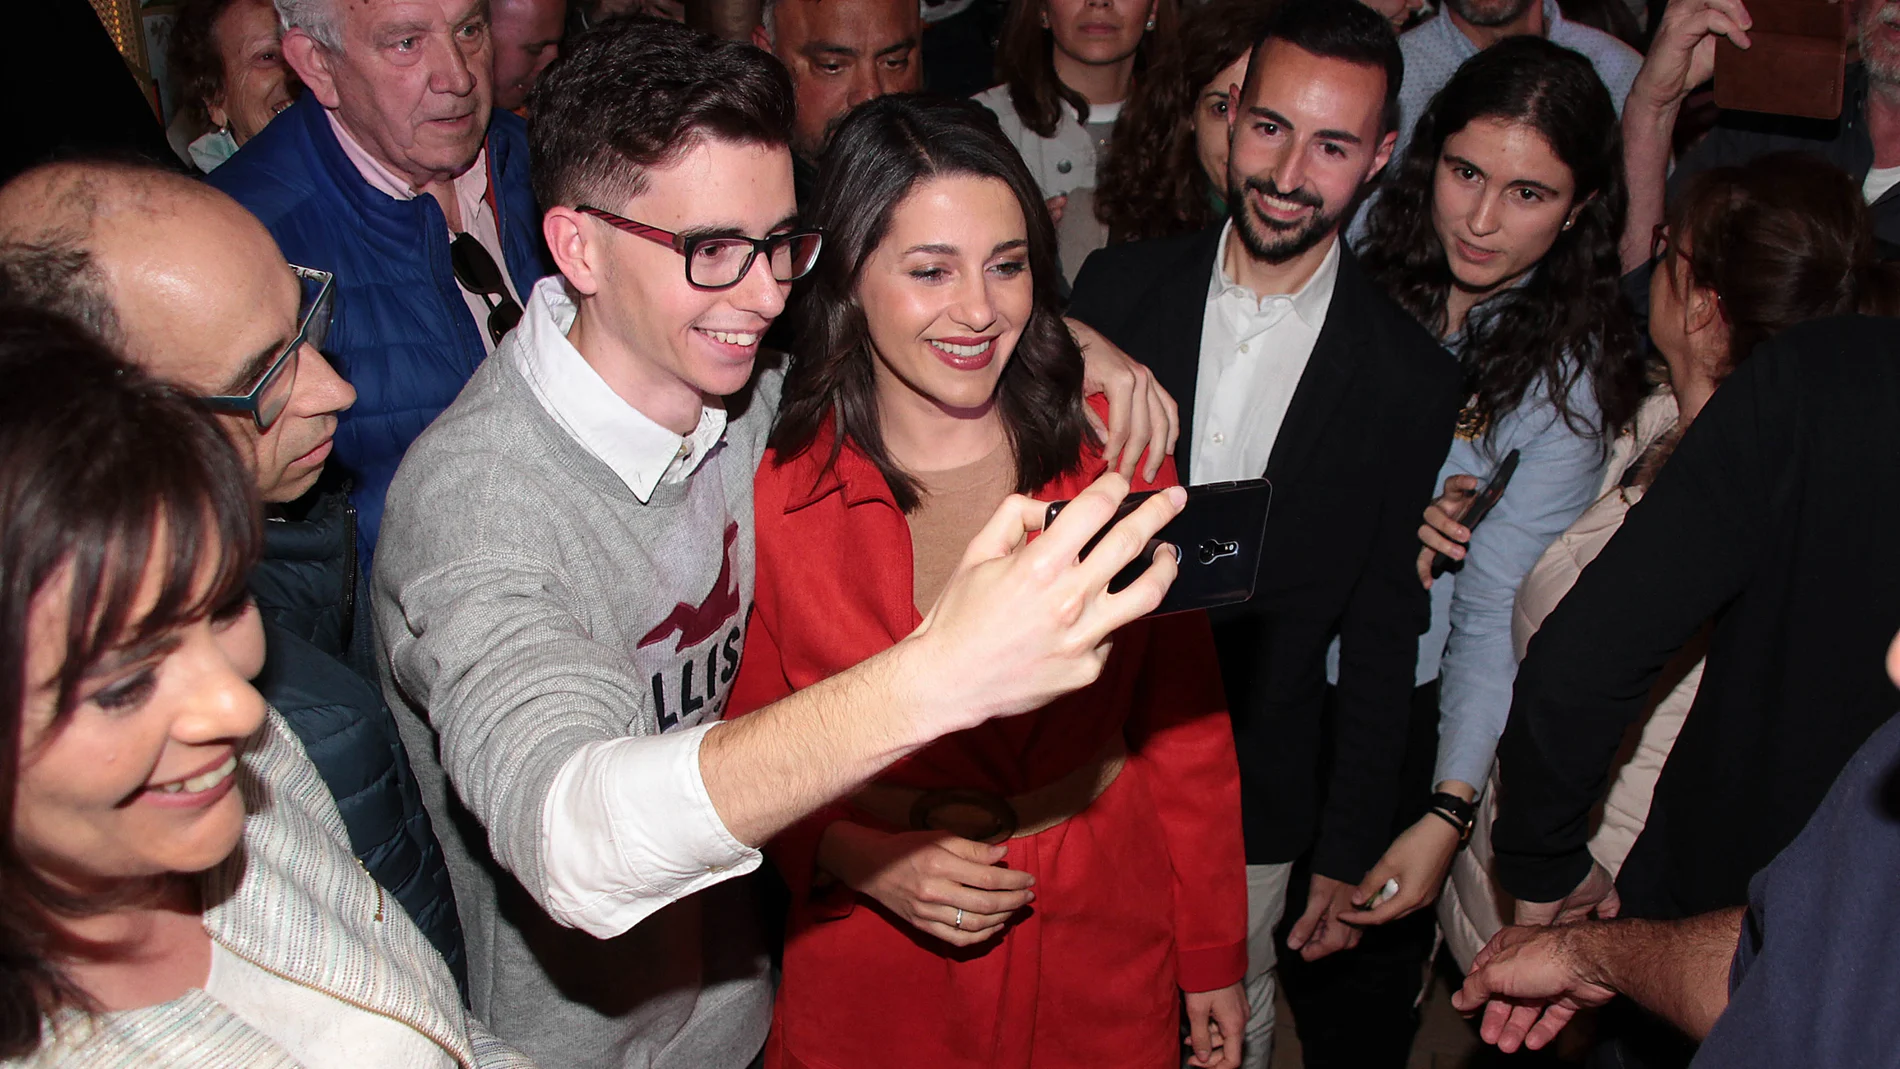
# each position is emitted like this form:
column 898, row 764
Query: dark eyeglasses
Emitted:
column 1659, row 244
column 477, row 272
column 266, row 400
column 718, row 263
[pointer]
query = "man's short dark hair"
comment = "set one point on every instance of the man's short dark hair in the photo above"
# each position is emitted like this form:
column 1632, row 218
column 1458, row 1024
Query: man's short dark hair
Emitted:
column 1345, row 30
column 634, row 93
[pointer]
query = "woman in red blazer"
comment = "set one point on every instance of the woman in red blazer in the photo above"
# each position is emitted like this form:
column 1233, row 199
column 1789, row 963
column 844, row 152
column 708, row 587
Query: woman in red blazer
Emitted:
column 1039, row 890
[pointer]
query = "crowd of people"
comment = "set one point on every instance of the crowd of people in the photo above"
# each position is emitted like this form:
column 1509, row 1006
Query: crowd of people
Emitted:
column 525, row 542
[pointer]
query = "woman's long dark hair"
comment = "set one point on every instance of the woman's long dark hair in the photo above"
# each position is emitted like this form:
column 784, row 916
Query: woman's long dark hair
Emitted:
column 97, row 461
column 1567, row 323
column 883, row 149
column 1025, row 55
column 1786, row 239
column 1152, row 184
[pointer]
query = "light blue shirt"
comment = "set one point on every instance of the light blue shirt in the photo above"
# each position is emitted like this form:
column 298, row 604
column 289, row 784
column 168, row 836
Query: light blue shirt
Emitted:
column 1468, row 648
column 1436, row 48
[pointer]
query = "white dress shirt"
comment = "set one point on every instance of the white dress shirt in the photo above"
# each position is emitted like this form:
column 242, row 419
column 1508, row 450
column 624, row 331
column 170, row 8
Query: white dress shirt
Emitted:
column 1253, row 351
column 627, row 826
column 640, row 451
column 1878, row 181
column 471, row 197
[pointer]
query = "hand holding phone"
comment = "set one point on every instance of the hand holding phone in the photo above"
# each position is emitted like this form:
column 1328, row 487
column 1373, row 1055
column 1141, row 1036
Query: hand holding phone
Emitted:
column 1481, row 505
column 1218, row 535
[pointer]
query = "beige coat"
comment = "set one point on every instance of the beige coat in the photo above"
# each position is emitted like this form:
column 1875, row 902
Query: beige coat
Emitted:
column 1473, row 907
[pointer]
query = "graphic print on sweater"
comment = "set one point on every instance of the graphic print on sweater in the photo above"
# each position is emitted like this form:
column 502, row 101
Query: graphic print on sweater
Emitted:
column 693, row 690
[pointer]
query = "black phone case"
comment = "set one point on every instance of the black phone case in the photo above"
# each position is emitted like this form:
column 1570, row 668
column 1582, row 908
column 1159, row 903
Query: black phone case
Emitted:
column 1481, row 506
column 1220, row 533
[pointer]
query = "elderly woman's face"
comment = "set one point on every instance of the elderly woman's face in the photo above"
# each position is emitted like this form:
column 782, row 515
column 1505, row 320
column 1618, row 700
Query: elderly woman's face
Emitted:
column 140, row 779
column 257, row 83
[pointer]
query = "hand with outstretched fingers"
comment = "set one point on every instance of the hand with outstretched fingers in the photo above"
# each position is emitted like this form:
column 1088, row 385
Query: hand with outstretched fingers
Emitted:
column 1529, row 982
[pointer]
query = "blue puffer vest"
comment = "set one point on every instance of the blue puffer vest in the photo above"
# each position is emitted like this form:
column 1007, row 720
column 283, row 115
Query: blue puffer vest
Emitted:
column 315, row 608
column 402, row 335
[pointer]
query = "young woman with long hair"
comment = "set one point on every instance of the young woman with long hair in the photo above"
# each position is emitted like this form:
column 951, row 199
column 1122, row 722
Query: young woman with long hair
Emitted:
column 176, row 887
column 1499, row 232
column 1042, row 889
column 1166, row 172
column 1068, row 65
column 1744, row 253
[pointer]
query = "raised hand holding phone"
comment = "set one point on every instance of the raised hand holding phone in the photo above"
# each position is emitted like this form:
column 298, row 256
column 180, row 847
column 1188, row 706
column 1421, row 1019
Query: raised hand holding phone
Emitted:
column 1023, row 622
column 1217, row 540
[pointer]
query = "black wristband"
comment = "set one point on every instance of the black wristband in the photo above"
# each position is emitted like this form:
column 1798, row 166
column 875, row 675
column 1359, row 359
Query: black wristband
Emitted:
column 1457, row 812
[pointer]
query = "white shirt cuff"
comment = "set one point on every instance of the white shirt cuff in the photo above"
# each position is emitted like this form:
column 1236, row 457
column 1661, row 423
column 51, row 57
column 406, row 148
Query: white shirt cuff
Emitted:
column 628, row 829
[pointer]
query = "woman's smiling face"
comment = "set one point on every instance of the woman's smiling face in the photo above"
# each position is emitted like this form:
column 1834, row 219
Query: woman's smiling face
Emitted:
column 139, row 779
column 948, row 291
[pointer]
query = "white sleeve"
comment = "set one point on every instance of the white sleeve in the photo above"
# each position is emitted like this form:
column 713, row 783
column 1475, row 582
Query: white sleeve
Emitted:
column 628, row 828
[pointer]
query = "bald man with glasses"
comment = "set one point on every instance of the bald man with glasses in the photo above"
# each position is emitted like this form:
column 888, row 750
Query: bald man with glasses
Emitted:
column 190, row 286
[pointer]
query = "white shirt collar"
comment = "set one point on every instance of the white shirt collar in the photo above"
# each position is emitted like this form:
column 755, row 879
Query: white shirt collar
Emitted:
column 1309, row 302
column 641, row 452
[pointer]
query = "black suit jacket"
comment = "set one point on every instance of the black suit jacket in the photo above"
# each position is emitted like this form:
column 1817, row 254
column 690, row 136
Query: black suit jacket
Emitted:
column 1776, row 516
column 1352, row 468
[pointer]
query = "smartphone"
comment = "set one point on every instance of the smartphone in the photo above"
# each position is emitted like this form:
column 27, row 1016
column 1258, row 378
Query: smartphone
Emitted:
column 1796, row 62
column 1480, row 507
column 1219, row 531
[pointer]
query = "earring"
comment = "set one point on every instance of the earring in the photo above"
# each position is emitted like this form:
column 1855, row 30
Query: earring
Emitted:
column 1045, row 20
column 1568, row 223
column 1151, row 22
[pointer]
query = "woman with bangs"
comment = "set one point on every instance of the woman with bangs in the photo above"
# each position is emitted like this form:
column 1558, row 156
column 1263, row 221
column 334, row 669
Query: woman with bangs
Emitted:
column 178, row 887
column 1040, row 890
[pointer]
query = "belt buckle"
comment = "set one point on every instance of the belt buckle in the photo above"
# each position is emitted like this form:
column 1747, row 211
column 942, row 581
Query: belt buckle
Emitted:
column 983, row 816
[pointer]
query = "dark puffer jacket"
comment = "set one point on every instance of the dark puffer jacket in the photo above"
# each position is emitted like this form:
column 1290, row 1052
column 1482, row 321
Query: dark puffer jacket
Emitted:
column 315, row 613
column 311, row 583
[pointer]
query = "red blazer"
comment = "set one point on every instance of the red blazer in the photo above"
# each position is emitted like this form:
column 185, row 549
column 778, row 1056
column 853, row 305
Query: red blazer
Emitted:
column 1142, row 891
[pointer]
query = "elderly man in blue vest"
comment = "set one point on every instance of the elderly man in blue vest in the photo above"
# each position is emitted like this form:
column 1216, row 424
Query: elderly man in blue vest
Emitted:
column 393, row 174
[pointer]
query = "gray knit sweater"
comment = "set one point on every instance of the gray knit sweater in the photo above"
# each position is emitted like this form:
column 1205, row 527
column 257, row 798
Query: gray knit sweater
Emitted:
column 529, row 604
